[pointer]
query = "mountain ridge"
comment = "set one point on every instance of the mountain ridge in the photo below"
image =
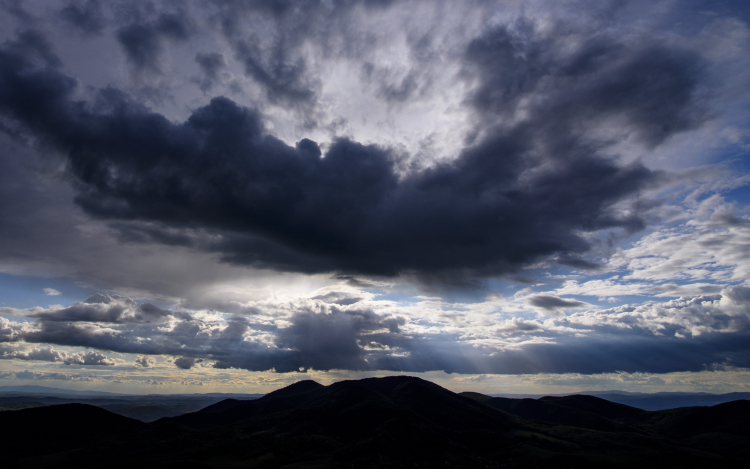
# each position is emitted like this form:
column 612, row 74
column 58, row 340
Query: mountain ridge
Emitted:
column 395, row 421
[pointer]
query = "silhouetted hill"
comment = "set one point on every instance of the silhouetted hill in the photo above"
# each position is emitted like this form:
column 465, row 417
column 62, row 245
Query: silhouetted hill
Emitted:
column 382, row 422
column 731, row 417
column 649, row 401
column 595, row 405
column 297, row 388
column 361, row 417
column 575, row 413
column 81, row 420
column 65, row 427
column 221, row 406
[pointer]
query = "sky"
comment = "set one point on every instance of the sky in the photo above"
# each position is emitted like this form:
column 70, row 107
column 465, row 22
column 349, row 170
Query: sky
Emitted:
column 500, row 196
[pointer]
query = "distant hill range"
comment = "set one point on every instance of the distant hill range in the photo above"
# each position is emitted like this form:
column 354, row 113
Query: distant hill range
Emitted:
column 652, row 401
column 383, row 422
column 146, row 408
column 152, row 407
column 47, row 391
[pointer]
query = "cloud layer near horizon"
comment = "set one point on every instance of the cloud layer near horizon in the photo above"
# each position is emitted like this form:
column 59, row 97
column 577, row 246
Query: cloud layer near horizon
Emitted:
column 705, row 332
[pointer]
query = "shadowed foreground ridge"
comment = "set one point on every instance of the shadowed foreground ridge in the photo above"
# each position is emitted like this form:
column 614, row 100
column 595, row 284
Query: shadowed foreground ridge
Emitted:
column 382, row 422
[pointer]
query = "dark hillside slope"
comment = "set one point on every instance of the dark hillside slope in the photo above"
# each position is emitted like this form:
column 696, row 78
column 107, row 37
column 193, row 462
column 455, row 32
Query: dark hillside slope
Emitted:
column 672, row 400
column 381, row 422
column 595, row 405
column 64, row 427
column 575, row 411
column 731, row 417
column 413, row 397
column 231, row 411
column 409, row 419
column 722, row 428
column 361, row 418
column 436, row 404
column 59, row 421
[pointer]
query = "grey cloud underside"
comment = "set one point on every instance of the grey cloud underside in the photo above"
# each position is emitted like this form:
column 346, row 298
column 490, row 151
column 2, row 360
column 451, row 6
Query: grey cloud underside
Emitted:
column 116, row 309
column 695, row 334
column 519, row 193
column 86, row 17
column 48, row 354
column 276, row 60
column 145, row 362
column 652, row 89
column 144, row 41
column 210, row 63
column 185, row 363
column 552, row 303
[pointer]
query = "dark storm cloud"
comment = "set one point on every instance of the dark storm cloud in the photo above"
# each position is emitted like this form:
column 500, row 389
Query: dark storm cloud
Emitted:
column 553, row 303
column 520, row 193
column 651, row 86
column 537, row 172
column 341, row 299
column 356, row 282
column 143, row 41
column 150, row 232
column 87, row 17
column 33, row 47
column 16, row 8
column 185, row 363
column 210, row 63
column 577, row 262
